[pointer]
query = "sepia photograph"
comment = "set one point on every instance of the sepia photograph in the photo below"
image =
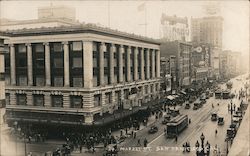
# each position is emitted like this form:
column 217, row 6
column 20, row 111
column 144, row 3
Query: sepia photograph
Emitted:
column 124, row 78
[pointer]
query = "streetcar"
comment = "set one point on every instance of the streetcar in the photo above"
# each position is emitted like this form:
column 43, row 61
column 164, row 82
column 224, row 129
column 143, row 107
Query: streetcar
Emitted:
column 225, row 94
column 217, row 94
column 176, row 125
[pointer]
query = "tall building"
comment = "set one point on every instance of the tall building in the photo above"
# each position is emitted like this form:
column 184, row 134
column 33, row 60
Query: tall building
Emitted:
column 174, row 28
column 52, row 16
column 200, row 62
column 207, row 30
column 78, row 74
column 181, row 51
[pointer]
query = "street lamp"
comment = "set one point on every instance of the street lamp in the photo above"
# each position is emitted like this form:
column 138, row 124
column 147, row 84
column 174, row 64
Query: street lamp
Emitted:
column 202, row 152
column 15, row 128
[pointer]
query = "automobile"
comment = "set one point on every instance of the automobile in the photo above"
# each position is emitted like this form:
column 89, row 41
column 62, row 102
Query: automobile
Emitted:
column 230, row 133
column 195, row 107
column 173, row 112
column 214, row 116
column 166, row 119
column 220, row 121
column 187, row 106
column 153, row 129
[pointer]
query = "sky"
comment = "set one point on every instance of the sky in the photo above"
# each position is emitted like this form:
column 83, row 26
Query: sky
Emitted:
column 125, row 16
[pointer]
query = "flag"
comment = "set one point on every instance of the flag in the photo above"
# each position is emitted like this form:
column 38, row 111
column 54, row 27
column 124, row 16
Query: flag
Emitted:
column 141, row 7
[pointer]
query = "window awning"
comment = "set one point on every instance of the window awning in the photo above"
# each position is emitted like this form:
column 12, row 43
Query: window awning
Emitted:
column 170, row 97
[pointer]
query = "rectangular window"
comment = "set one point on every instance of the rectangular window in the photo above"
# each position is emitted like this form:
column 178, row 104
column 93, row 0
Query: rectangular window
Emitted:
column 21, row 48
column 38, row 100
column 58, row 81
column 76, row 101
column 40, row 81
column 22, row 79
column 57, row 47
column 57, row 101
column 97, row 100
column 40, row 63
column 58, row 62
column 22, row 62
column 21, row 99
column 77, row 46
column 77, row 82
column 39, row 48
column 77, row 62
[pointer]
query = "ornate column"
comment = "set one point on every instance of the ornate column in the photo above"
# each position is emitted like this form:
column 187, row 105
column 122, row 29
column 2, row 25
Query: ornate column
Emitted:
column 142, row 64
column 158, row 63
column 128, row 64
column 147, row 64
column 120, row 63
column 29, row 64
column 101, row 63
column 88, row 63
column 136, row 64
column 66, row 63
column 12, row 64
column 153, row 64
column 47, row 64
column 111, row 63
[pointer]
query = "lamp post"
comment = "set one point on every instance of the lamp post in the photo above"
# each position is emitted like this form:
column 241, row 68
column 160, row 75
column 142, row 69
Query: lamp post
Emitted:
column 203, row 151
column 232, row 110
column 15, row 127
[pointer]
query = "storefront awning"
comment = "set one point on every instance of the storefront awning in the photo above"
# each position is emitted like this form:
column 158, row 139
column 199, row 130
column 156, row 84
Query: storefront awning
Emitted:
column 170, row 97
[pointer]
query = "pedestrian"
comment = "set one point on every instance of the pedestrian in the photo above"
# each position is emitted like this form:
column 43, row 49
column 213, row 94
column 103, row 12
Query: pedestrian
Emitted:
column 216, row 132
column 134, row 135
column 126, row 130
column 121, row 133
column 145, row 142
column 176, row 138
column 80, row 148
column 139, row 142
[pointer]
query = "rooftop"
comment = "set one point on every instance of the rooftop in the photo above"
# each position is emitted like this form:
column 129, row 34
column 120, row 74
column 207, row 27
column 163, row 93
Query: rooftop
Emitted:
column 79, row 28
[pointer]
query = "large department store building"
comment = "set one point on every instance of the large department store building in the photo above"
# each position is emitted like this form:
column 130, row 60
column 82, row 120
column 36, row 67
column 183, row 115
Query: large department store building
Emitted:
column 77, row 74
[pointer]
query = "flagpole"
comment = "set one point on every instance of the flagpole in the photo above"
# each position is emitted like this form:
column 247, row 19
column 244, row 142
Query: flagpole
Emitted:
column 108, row 13
column 146, row 20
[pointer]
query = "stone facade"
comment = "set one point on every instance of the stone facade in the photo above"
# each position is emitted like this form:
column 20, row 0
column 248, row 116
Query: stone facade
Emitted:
column 82, row 70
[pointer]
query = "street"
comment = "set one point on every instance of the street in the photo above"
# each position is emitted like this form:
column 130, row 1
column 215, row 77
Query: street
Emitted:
column 158, row 144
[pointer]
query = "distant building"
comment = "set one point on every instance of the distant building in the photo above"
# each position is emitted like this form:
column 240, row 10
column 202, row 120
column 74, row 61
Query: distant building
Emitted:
column 174, row 28
column 230, row 63
column 165, row 74
column 207, row 30
column 201, row 62
column 52, row 16
column 182, row 52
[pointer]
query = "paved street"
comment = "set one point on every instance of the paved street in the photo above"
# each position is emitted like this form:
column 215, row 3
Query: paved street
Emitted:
column 158, row 143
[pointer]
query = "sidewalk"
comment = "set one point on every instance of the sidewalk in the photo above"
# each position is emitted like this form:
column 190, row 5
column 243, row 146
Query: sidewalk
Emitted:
column 241, row 143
